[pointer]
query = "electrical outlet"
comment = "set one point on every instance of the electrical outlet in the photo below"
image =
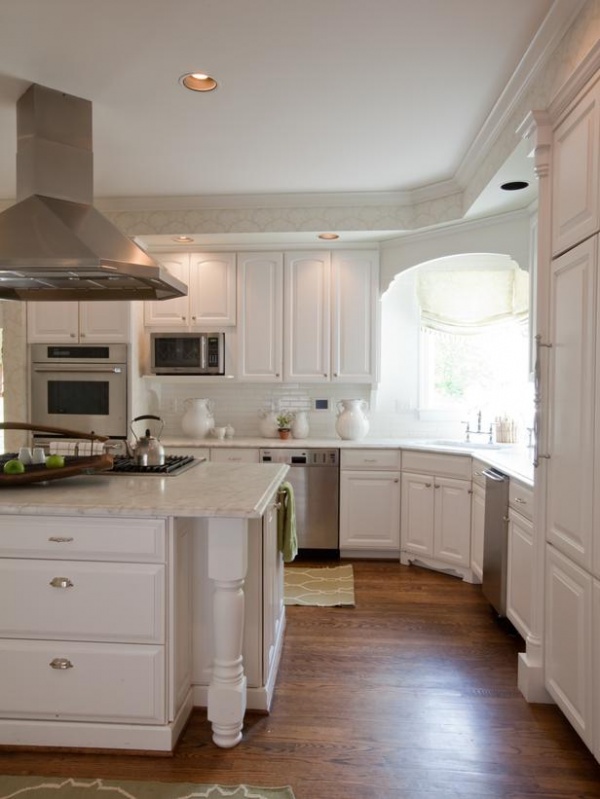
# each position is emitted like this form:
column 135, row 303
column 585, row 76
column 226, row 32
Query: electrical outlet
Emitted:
column 321, row 404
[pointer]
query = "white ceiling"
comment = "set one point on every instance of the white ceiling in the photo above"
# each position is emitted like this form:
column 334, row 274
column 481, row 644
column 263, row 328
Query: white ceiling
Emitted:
column 314, row 96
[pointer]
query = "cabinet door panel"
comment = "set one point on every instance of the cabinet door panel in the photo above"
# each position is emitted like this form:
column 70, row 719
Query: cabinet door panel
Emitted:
column 260, row 316
column 355, row 280
column 369, row 510
column 212, row 289
column 477, row 527
column 104, row 322
column 519, row 581
column 570, row 402
column 417, row 513
column 307, row 316
column 169, row 314
column 575, row 211
column 569, row 640
column 452, row 536
column 53, row 322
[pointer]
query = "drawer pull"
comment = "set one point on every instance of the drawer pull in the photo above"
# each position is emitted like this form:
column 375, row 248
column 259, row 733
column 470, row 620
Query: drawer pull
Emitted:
column 58, row 539
column 61, row 582
column 520, row 501
column 61, row 664
column 369, row 460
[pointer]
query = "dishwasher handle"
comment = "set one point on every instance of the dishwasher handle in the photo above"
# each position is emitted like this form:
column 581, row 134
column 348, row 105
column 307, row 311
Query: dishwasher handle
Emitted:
column 492, row 475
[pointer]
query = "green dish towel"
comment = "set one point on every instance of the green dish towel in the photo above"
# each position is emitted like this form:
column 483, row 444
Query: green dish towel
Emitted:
column 286, row 523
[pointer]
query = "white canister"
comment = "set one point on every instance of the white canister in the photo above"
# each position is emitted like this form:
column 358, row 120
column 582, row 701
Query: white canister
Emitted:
column 300, row 425
column 352, row 422
column 198, row 419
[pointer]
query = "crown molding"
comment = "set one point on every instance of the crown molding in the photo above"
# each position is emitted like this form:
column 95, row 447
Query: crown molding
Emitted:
column 557, row 22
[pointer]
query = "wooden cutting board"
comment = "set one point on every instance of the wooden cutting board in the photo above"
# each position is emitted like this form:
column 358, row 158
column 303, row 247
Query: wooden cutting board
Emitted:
column 39, row 473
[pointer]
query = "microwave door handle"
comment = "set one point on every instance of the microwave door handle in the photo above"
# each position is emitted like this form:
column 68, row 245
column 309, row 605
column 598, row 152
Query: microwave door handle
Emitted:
column 203, row 353
column 96, row 370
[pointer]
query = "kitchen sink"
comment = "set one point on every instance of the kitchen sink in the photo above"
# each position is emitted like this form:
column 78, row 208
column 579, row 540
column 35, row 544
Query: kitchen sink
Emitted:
column 445, row 442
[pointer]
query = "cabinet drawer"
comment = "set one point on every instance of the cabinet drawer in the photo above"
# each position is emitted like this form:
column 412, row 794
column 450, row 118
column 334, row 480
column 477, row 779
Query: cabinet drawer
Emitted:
column 104, row 682
column 370, row 459
column 100, row 601
column 520, row 498
column 89, row 538
column 233, row 455
column 437, row 463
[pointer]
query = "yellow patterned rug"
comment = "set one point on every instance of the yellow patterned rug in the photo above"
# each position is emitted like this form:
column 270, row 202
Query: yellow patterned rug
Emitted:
column 328, row 586
column 75, row 788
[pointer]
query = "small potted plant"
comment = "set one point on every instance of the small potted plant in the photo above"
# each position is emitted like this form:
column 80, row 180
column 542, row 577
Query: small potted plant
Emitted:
column 284, row 421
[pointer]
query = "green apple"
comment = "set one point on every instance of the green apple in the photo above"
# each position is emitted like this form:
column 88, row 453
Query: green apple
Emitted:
column 55, row 461
column 13, row 467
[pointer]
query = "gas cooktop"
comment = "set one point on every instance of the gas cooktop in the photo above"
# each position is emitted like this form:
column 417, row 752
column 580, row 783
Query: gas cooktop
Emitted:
column 173, row 465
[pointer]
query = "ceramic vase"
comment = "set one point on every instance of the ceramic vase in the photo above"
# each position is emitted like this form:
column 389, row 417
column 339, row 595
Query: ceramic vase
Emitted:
column 352, row 422
column 198, row 419
column 300, row 425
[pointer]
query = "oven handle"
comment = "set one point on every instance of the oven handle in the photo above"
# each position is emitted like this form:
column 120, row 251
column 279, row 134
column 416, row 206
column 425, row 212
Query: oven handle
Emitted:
column 96, row 370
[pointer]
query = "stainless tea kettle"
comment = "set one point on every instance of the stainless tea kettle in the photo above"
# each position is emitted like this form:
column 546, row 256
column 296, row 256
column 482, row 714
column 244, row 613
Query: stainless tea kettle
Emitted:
column 147, row 451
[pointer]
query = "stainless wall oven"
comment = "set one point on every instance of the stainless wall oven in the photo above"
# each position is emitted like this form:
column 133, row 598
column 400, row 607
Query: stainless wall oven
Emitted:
column 80, row 387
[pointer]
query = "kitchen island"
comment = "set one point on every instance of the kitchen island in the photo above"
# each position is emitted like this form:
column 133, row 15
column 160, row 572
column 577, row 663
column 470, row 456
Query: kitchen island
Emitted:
column 103, row 611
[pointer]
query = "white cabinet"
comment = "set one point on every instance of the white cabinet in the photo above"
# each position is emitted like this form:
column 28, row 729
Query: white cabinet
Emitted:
column 211, row 297
column 568, row 642
column 234, row 455
column 78, row 322
column 308, row 316
column 477, row 519
column 575, row 176
column 570, row 494
column 260, row 316
column 370, row 503
column 436, row 512
column 520, row 568
column 84, row 631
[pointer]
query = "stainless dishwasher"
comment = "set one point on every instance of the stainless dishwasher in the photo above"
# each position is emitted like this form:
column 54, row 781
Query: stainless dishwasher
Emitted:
column 495, row 540
column 315, row 477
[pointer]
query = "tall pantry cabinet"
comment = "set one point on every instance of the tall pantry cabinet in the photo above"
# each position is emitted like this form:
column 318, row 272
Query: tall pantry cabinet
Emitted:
column 568, row 403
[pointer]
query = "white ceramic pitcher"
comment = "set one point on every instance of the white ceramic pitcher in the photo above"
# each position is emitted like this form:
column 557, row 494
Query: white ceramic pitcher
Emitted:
column 352, row 422
column 198, row 419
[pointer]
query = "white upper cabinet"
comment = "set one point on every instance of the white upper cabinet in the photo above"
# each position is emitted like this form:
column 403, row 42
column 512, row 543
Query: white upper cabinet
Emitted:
column 306, row 316
column 260, row 316
column 354, row 307
column 307, row 336
column 575, row 188
column 211, row 298
column 78, row 322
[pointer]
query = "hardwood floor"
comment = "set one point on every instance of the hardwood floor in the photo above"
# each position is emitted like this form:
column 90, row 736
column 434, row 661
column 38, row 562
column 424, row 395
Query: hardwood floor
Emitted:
column 410, row 695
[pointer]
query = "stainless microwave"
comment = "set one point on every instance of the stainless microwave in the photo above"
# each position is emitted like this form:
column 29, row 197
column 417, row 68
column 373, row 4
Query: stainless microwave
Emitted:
column 187, row 353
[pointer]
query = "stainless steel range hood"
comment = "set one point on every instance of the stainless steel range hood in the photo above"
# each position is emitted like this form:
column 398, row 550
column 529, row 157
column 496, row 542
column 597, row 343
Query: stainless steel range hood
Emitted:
column 54, row 245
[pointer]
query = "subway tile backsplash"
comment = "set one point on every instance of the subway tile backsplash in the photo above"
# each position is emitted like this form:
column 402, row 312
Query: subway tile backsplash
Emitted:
column 239, row 405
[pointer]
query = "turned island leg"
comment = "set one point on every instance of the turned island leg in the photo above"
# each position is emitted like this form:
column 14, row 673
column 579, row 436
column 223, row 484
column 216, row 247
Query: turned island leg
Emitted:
column 227, row 567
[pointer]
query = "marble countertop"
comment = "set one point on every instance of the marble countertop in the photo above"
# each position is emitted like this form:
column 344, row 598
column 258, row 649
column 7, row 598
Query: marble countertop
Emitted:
column 515, row 461
column 207, row 490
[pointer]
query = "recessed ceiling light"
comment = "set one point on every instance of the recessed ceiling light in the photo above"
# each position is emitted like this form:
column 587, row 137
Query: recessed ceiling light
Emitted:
column 328, row 236
column 514, row 185
column 183, row 239
column 198, row 82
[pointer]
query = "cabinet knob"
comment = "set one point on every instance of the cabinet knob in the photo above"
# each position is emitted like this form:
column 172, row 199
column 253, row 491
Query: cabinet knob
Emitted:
column 61, row 663
column 72, row 335
column 193, row 318
column 520, row 501
column 437, row 485
column 61, row 582
column 82, row 335
column 427, row 485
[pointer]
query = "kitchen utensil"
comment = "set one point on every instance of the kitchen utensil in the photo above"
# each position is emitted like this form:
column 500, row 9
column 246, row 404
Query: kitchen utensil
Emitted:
column 147, row 451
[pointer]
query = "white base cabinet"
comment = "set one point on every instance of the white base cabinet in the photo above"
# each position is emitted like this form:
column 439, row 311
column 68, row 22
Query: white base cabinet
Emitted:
column 370, row 503
column 520, row 568
column 436, row 512
column 477, row 520
column 568, row 641
column 94, row 630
